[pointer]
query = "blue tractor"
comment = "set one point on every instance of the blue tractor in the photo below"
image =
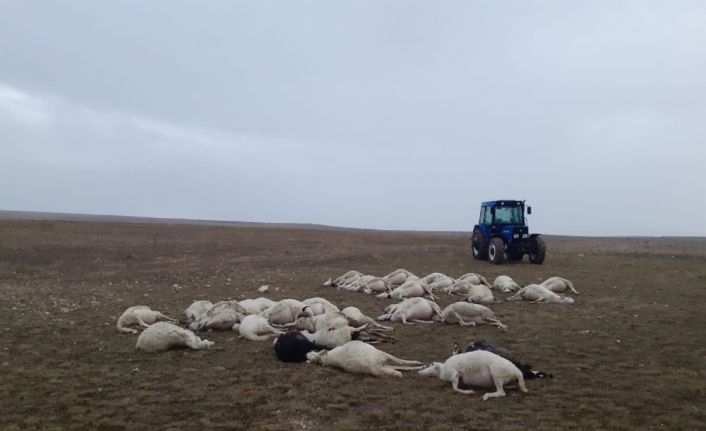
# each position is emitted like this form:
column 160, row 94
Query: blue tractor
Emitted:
column 502, row 230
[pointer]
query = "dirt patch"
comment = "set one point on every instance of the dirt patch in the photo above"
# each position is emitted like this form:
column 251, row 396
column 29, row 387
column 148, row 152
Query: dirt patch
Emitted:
column 629, row 354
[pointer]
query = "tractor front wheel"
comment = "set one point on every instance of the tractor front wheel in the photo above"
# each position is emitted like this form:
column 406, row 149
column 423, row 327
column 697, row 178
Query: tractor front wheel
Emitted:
column 496, row 251
column 538, row 250
column 479, row 245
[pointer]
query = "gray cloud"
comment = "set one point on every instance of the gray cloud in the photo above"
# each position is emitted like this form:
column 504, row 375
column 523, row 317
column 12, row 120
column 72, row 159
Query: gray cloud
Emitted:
column 398, row 115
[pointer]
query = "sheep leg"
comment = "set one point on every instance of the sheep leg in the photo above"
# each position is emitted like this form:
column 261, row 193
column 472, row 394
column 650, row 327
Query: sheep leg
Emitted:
column 421, row 321
column 394, row 361
column 462, row 322
column 499, row 391
column 386, row 371
column 456, row 378
column 496, row 322
column 572, row 289
column 161, row 316
column 142, row 323
column 381, row 327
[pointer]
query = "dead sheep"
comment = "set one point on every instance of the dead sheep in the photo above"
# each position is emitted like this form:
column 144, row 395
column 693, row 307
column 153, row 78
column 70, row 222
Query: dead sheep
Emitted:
column 537, row 293
column 197, row 309
column 474, row 278
column 505, row 284
column 139, row 316
column 478, row 368
column 343, row 279
column 397, row 277
column 284, row 312
column 319, row 305
column 163, row 336
column 414, row 287
column 467, row 314
column 413, row 310
column 457, row 288
column 293, row 347
column 481, row 294
column 356, row 318
column 221, row 317
column 362, row 358
column 256, row 306
column 256, row 328
column 527, row 371
column 559, row 285
column 433, row 277
column 441, row 283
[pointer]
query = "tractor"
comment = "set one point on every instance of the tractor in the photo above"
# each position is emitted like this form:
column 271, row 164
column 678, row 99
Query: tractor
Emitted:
column 502, row 230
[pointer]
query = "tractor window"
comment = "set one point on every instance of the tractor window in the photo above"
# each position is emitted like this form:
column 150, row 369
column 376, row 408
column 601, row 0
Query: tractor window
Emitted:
column 486, row 216
column 508, row 215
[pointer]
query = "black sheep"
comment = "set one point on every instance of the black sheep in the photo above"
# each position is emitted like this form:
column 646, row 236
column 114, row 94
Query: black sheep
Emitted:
column 293, row 347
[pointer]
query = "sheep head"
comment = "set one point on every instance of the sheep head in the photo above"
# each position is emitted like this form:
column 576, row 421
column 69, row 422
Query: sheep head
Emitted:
column 433, row 370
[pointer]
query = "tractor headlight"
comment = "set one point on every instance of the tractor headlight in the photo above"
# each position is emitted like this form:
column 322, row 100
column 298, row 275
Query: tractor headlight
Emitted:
column 525, row 235
column 517, row 235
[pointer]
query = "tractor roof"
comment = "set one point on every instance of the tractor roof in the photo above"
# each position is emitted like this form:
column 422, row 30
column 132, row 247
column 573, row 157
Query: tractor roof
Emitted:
column 503, row 203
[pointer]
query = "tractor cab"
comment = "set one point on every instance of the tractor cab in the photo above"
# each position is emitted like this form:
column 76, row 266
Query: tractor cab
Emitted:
column 502, row 230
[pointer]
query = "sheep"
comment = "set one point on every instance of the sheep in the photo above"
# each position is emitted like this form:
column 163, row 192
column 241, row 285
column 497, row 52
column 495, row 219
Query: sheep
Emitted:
column 441, row 283
column 319, row 305
column 256, row 306
column 559, row 285
column 283, row 312
column 474, row 278
column 478, row 368
column 357, row 318
column 505, row 284
column 537, row 293
column 527, row 371
column 374, row 285
column 343, row 279
column 335, row 336
column 327, row 321
column 256, row 328
column 412, row 288
column 196, row 309
column 222, row 316
column 466, row 314
column 480, row 294
column 163, row 336
column 457, row 288
column 413, row 310
column 139, row 315
column 360, row 357
column 434, row 276
column 397, row 277
column 293, row 347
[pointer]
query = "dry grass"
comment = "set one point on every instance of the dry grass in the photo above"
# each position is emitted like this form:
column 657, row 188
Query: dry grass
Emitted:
column 629, row 354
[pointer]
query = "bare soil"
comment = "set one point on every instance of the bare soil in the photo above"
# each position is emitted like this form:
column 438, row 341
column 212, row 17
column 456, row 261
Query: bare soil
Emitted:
column 629, row 354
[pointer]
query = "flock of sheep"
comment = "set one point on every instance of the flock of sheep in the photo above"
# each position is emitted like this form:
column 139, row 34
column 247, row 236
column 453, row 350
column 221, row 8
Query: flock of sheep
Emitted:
column 317, row 331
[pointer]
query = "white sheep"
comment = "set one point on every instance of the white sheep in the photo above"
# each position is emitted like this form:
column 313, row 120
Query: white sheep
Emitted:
column 374, row 285
column 256, row 306
column 256, row 328
column 412, row 310
column 478, row 368
column 505, row 284
column 434, row 276
column 356, row 318
column 283, row 312
column 414, row 287
column 163, row 336
column 480, row 294
column 474, row 278
column 141, row 316
column 197, row 309
column 441, row 283
column 559, row 285
column 360, row 357
column 343, row 279
column 397, row 277
column 222, row 316
column 334, row 336
column 457, row 288
column 320, row 305
column 467, row 314
column 537, row 293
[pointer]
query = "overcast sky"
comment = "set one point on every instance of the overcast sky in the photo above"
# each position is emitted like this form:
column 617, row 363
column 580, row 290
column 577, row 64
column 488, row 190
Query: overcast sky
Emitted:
column 375, row 114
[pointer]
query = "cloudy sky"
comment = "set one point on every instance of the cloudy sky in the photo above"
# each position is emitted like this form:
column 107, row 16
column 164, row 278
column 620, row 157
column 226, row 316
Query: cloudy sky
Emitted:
column 376, row 114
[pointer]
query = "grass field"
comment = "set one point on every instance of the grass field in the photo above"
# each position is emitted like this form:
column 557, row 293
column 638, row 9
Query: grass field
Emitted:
column 629, row 354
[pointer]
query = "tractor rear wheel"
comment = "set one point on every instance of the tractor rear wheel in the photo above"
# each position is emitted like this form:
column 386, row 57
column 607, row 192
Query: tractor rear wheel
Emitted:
column 479, row 245
column 496, row 250
column 538, row 250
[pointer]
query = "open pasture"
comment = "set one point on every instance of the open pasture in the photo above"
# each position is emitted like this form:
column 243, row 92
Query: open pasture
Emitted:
column 629, row 354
